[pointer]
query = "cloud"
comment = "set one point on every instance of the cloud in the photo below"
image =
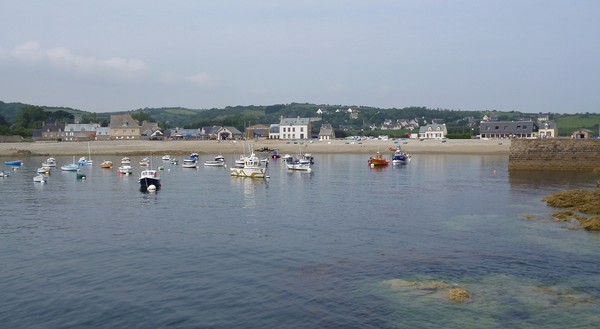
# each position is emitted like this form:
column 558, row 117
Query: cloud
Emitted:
column 200, row 79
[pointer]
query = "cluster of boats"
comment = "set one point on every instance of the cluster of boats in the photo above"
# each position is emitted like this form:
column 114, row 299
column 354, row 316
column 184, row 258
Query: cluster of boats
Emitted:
column 399, row 157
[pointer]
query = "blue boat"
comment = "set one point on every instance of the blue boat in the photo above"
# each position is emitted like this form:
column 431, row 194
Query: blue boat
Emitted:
column 13, row 163
column 400, row 157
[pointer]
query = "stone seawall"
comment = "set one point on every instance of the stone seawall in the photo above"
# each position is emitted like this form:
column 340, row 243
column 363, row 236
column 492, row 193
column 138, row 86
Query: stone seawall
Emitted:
column 554, row 154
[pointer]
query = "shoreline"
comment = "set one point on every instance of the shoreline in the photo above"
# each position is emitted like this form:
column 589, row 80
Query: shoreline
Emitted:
column 144, row 147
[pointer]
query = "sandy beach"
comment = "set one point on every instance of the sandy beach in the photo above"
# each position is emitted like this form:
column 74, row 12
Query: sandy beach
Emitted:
column 143, row 147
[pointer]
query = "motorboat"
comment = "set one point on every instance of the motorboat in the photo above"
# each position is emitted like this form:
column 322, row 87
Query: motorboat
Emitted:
column 378, row 160
column 252, row 168
column 166, row 157
column 126, row 161
column 50, row 162
column 40, row 179
column 219, row 161
column 13, row 163
column 145, row 162
column 107, row 164
column 125, row 169
column 191, row 161
column 400, row 157
column 149, row 178
column 43, row 170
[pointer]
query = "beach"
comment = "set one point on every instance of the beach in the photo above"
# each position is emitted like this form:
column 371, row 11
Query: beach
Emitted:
column 183, row 147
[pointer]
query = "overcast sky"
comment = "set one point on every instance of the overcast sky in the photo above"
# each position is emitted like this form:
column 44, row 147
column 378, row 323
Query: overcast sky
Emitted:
column 115, row 55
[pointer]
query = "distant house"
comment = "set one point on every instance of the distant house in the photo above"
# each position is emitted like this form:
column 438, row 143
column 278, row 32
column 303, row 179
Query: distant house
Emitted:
column 274, row 131
column 181, row 133
column 294, row 128
column 508, row 129
column 257, row 131
column 582, row 133
column 433, row 131
column 548, row 130
column 148, row 130
column 52, row 131
column 102, row 133
column 326, row 132
column 123, row 126
column 220, row 133
column 80, row 131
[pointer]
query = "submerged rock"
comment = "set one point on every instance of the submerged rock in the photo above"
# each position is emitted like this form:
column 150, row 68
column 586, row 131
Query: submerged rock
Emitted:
column 458, row 295
column 432, row 289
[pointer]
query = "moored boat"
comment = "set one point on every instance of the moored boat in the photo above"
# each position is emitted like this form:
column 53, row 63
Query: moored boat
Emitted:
column 125, row 161
column 191, row 161
column 149, row 178
column 252, row 168
column 13, row 163
column 39, row 179
column 50, row 162
column 400, row 157
column 107, row 164
column 70, row 167
column 145, row 162
column 125, row 169
column 166, row 157
column 378, row 160
column 219, row 161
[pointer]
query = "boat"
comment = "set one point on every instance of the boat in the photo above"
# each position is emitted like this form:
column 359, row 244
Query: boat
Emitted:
column 174, row 161
column 252, row 168
column 13, row 163
column 240, row 162
column 80, row 175
column 191, row 161
column 166, row 157
column 70, row 167
column 400, row 157
column 40, row 179
column 219, row 161
column 125, row 169
column 86, row 162
column 43, row 170
column 3, row 174
column 275, row 155
column 378, row 160
column 107, row 164
column 145, row 162
column 149, row 178
column 50, row 162
column 301, row 163
column 125, row 161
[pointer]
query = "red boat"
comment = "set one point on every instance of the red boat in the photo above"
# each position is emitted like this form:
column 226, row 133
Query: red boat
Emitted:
column 378, row 160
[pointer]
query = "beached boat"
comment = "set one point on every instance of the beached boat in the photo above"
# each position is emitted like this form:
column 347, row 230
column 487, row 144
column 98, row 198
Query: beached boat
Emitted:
column 50, row 162
column 252, row 168
column 191, row 161
column 400, row 157
column 40, row 179
column 149, row 178
column 378, row 160
column 107, row 164
column 13, row 163
column 219, row 161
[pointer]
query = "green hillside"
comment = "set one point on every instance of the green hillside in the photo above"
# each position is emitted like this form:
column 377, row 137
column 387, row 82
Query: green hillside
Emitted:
column 569, row 123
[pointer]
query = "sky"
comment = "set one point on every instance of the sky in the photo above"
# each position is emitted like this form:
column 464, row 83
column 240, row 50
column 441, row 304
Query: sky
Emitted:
column 118, row 55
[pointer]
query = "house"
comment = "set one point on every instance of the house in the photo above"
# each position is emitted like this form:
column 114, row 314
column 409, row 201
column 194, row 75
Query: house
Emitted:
column 274, row 131
column 548, row 130
column 80, row 131
column 257, row 131
column 148, row 130
column 581, row 134
column 123, row 126
column 220, row 133
column 326, row 132
column 294, row 128
column 52, row 131
column 433, row 131
column 181, row 133
column 508, row 129
column 102, row 134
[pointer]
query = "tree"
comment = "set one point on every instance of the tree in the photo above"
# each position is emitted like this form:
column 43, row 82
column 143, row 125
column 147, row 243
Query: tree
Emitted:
column 142, row 116
column 30, row 117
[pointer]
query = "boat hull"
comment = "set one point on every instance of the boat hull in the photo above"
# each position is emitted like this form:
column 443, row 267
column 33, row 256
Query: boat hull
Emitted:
column 249, row 172
column 13, row 163
column 147, row 181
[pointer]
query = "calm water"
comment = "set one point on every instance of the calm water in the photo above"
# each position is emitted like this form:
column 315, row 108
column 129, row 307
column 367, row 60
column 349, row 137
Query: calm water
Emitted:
column 299, row 250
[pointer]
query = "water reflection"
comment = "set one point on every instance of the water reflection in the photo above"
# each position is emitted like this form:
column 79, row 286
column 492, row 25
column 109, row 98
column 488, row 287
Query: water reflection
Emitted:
column 552, row 179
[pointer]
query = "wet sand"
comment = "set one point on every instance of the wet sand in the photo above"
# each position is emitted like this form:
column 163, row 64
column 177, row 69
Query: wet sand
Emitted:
column 143, row 147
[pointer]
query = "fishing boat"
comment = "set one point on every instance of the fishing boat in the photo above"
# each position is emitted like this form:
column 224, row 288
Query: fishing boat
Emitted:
column 13, row 163
column 219, row 161
column 50, row 162
column 149, row 178
column 106, row 164
column 399, row 157
column 191, row 161
column 39, row 179
column 378, row 160
column 252, row 168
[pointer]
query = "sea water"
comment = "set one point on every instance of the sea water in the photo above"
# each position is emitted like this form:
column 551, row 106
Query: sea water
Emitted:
column 343, row 246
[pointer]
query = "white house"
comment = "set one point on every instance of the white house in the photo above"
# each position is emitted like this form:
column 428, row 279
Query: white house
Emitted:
column 433, row 131
column 294, row 128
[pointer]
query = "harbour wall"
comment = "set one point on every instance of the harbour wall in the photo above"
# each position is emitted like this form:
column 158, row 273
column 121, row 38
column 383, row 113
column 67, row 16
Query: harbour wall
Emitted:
column 554, row 154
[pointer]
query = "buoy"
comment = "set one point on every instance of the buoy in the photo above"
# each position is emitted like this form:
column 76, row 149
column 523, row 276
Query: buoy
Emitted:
column 152, row 188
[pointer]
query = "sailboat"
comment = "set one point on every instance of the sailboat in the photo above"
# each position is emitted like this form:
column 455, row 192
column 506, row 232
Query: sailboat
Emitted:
column 86, row 162
column 70, row 167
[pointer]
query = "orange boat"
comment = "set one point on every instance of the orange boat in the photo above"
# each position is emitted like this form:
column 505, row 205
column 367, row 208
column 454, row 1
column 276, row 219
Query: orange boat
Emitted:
column 378, row 160
column 106, row 164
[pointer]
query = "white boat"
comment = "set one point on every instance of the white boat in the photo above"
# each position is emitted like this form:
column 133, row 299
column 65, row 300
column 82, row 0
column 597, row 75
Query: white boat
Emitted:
column 145, row 162
column 149, row 178
column 125, row 161
column 219, row 161
column 86, row 162
column 303, row 163
column 252, row 168
column 166, row 157
column 50, row 162
column 191, row 161
column 71, row 166
column 125, row 170
column 43, row 170
column 240, row 162
column 3, row 174
column 39, row 179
